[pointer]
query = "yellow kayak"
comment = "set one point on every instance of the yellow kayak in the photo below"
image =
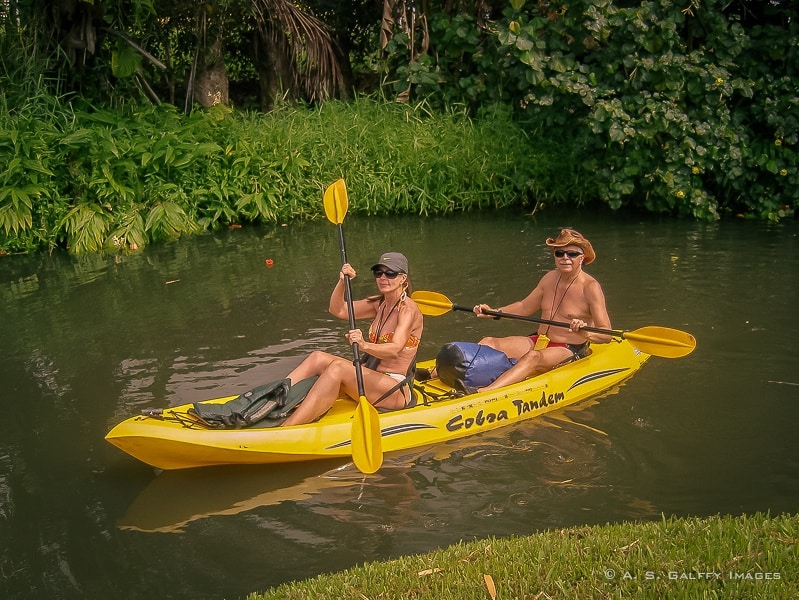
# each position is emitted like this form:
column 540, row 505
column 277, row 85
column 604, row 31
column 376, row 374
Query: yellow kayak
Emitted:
column 172, row 439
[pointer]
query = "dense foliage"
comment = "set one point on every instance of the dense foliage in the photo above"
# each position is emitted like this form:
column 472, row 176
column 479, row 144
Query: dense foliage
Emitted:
column 118, row 179
column 685, row 110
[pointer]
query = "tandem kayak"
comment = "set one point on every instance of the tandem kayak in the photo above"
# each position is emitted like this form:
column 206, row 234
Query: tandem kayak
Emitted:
column 171, row 439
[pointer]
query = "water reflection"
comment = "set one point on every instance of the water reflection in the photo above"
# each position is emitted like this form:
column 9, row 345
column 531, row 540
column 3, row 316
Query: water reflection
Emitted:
column 174, row 499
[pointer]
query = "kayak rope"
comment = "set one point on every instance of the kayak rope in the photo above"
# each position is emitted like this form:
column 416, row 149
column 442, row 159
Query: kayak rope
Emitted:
column 183, row 418
column 428, row 396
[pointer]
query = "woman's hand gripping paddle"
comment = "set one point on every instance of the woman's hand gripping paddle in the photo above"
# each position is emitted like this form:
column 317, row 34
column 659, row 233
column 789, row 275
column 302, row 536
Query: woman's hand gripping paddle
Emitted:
column 654, row 340
column 367, row 444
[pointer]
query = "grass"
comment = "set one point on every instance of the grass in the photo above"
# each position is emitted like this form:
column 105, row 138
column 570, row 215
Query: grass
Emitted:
column 98, row 179
column 753, row 557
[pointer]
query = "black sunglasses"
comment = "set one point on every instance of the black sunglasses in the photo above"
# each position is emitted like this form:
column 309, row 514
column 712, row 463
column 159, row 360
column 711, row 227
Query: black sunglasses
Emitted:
column 390, row 274
column 569, row 253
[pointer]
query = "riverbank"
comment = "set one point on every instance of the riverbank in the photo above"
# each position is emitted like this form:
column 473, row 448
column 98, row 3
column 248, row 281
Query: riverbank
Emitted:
column 718, row 557
column 115, row 181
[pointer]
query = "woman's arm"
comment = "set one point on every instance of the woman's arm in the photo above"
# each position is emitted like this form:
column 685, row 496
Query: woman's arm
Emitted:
column 363, row 309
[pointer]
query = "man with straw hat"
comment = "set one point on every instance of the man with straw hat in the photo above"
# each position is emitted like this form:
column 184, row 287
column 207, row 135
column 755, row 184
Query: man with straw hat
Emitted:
column 566, row 294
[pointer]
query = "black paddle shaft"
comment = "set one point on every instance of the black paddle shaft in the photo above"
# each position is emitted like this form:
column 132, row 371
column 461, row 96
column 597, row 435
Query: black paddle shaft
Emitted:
column 499, row 315
column 356, row 352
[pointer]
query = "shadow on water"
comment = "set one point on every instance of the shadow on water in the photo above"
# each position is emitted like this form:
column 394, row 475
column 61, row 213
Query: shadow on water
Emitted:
column 89, row 341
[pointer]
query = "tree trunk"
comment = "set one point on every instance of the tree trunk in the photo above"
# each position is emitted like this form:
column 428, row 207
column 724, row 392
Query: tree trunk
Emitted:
column 274, row 77
column 211, row 84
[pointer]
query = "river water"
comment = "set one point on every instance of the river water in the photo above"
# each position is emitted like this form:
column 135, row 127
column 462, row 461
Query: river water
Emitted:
column 89, row 341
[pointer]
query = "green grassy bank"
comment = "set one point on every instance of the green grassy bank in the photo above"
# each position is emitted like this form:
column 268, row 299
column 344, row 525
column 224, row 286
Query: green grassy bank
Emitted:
column 749, row 557
column 114, row 180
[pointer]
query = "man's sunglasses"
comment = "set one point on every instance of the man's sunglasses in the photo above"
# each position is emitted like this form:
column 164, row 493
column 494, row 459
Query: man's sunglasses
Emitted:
column 390, row 274
column 569, row 253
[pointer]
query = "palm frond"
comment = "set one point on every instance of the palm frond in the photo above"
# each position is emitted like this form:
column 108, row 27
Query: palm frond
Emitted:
column 309, row 47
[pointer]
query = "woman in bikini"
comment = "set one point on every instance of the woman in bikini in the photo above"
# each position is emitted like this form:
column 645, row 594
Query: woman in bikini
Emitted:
column 394, row 336
column 566, row 293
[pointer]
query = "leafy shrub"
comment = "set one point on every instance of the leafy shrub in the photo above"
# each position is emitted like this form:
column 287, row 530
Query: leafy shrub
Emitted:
column 92, row 180
column 678, row 108
column 683, row 109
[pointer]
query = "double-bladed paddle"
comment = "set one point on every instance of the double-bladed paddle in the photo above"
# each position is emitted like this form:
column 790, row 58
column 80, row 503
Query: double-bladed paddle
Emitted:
column 657, row 341
column 367, row 446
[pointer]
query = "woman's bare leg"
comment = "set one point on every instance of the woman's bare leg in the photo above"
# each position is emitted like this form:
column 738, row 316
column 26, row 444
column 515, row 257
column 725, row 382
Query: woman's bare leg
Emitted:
column 338, row 375
column 323, row 393
column 316, row 362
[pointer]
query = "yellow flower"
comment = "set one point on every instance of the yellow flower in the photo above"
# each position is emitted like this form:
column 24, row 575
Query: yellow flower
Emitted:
column 778, row 142
column 783, row 172
column 680, row 194
column 719, row 81
column 695, row 170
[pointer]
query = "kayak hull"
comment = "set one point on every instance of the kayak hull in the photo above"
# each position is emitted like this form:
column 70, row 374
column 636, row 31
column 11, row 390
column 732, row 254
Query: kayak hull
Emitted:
column 171, row 440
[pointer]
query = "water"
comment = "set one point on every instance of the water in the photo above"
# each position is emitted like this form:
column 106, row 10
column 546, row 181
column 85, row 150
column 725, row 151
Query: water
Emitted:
column 88, row 341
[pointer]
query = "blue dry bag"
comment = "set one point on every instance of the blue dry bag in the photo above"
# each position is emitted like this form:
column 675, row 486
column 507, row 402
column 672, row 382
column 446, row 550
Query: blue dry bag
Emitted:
column 467, row 366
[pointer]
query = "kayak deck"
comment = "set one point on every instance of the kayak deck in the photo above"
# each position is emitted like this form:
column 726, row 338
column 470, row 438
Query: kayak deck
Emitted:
column 171, row 439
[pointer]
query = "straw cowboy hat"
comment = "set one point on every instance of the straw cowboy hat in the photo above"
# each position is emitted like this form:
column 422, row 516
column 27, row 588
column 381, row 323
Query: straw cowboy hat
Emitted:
column 570, row 237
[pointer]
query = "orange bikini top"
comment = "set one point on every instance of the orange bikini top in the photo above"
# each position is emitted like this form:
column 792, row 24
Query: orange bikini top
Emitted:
column 383, row 338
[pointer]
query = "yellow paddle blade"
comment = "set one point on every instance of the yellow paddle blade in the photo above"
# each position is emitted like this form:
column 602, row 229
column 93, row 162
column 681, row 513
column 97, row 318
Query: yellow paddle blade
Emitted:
column 336, row 202
column 432, row 304
column 367, row 444
column 662, row 341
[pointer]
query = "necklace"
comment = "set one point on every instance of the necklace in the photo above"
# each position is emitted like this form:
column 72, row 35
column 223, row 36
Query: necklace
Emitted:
column 555, row 294
column 383, row 317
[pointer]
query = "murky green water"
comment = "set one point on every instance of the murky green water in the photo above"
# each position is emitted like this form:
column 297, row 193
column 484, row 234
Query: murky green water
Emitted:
column 89, row 341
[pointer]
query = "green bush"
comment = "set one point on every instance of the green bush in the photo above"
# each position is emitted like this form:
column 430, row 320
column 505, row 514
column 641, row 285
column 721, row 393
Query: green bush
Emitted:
column 680, row 109
column 677, row 107
column 683, row 109
column 101, row 179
